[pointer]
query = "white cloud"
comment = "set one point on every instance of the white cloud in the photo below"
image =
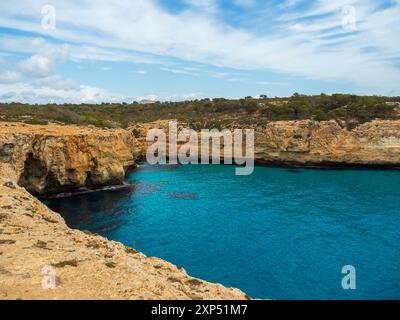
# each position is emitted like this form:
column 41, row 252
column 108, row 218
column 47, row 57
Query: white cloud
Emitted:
column 33, row 93
column 21, row 43
column 56, row 82
column 142, row 30
column 169, row 97
column 9, row 76
column 42, row 65
column 179, row 71
column 271, row 83
column 37, row 66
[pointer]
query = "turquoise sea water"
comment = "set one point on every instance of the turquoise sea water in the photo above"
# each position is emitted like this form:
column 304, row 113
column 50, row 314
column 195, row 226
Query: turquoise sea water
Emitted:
column 278, row 234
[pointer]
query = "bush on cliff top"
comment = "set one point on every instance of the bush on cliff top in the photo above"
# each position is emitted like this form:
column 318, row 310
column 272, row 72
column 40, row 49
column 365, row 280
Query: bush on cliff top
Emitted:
column 216, row 112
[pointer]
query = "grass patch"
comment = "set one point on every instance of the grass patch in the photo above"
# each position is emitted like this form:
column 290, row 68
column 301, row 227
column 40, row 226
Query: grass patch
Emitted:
column 36, row 122
column 3, row 216
column 130, row 250
column 194, row 282
column 42, row 245
column 174, row 280
column 7, row 241
column 49, row 220
column 110, row 264
column 93, row 245
column 62, row 264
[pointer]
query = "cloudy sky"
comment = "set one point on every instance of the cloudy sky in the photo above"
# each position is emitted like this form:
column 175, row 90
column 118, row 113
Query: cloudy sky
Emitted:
column 124, row 50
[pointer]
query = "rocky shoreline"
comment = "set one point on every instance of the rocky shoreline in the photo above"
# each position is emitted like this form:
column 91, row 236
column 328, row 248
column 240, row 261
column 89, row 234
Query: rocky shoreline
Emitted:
column 53, row 159
column 35, row 240
column 42, row 258
column 49, row 160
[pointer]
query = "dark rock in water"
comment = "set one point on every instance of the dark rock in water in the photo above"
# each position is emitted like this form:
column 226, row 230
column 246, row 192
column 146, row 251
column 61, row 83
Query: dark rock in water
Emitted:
column 144, row 188
column 183, row 195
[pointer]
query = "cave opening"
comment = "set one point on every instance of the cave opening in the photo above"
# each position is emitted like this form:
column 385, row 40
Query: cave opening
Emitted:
column 36, row 178
column 34, row 175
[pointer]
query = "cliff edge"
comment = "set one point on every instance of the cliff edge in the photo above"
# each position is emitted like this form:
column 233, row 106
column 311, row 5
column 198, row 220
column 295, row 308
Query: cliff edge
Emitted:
column 54, row 158
column 309, row 143
column 41, row 258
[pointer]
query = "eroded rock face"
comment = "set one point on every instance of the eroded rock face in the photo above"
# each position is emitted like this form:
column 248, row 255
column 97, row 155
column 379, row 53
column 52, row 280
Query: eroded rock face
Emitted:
column 307, row 142
column 313, row 143
column 54, row 158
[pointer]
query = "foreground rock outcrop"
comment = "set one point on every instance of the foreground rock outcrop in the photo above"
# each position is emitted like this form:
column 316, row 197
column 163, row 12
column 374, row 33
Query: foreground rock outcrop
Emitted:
column 41, row 258
column 54, row 158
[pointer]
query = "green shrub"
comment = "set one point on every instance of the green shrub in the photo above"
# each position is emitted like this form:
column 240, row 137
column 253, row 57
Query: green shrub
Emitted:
column 36, row 122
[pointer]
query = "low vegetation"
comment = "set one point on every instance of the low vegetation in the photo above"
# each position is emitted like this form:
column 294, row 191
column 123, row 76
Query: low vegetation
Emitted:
column 110, row 264
column 214, row 113
column 62, row 264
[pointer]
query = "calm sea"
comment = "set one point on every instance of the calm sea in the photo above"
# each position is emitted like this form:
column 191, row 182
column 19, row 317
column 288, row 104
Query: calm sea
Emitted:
column 278, row 234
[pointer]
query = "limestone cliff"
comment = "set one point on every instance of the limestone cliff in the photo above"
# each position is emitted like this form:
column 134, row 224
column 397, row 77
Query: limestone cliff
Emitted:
column 315, row 144
column 41, row 258
column 54, row 158
column 312, row 143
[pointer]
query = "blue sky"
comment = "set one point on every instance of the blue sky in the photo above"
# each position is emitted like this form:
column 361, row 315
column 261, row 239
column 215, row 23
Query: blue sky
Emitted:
column 100, row 51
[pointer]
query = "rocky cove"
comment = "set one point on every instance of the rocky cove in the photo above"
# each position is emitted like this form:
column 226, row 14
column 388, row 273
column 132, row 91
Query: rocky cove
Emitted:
column 55, row 158
column 52, row 158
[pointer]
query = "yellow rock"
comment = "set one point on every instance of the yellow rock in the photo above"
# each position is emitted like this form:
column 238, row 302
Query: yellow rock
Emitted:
column 54, row 158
